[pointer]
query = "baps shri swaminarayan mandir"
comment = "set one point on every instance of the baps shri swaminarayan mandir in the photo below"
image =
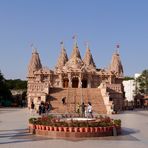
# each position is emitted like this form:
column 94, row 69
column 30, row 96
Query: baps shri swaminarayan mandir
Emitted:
column 78, row 80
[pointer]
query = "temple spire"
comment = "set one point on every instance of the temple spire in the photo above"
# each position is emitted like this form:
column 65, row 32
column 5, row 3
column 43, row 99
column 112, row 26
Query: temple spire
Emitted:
column 63, row 58
column 116, row 65
column 75, row 60
column 35, row 63
column 88, row 59
column 75, row 52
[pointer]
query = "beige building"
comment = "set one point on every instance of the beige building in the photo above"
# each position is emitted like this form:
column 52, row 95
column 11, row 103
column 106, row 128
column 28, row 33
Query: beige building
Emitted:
column 77, row 79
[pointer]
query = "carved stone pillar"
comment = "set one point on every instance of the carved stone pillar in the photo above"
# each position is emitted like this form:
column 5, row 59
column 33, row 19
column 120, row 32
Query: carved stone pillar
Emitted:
column 89, row 82
column 70, row 81
column 80, row 82
column 61, row 81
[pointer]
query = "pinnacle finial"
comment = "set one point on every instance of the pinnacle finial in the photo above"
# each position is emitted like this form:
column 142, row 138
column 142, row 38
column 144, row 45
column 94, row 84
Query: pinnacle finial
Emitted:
column 117, row 49
column 62, row 44
column 34, row 49
column 75, row 40
column 87, row 45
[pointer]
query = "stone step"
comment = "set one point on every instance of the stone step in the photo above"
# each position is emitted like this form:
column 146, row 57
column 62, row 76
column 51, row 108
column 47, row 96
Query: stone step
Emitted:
column 88, row 94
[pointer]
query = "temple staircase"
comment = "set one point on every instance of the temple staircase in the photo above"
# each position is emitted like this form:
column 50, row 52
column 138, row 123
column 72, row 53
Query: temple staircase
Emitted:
column 75, row 96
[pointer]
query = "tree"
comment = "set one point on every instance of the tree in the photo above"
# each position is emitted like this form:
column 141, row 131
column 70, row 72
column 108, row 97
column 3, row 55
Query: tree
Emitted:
column 5, row 93
column 16, row 84
column 143, row 82
column 128, row 78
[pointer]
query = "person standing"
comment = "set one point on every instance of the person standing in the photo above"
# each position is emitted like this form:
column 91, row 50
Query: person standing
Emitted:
column 78, row 108
column 40, row 109
column 32, row 108
column 89, row 110
column 64, row 100
column 83, row 109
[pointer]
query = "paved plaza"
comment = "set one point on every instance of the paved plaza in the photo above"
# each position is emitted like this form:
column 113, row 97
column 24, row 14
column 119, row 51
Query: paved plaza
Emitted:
column 14, row 133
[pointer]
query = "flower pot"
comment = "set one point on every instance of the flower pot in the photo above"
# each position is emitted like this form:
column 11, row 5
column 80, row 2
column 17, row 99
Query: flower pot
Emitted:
column 82, row 129
column 46, row 128
column 42, row 127
column 55, row 128
column 37, row 126
column 92, row 129
column 101, row 129
column 87, row 129
column 96, row 129
column 110, row 128
column 60, row 129
column 76, row 129
column 71, row 129
column 51, row 128
column 105, row 129
column 65, row 129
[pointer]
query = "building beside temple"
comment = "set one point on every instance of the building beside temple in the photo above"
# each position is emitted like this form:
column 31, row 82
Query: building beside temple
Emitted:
column 77, row 79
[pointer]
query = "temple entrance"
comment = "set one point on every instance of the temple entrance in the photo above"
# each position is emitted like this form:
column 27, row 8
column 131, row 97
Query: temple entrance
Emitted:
column 84, row 83
column 65, row 83
column 75, row 83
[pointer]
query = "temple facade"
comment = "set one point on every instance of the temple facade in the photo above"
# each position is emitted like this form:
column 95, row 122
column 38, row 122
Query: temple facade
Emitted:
column 75, row 73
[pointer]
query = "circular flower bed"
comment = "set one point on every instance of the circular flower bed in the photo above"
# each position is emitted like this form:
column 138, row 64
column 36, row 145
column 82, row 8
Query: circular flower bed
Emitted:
column 55, row 127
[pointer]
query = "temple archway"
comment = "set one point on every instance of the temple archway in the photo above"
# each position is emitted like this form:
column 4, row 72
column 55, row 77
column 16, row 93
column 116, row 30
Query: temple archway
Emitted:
column 65, row 83
column 75, row 82
column 84, row 83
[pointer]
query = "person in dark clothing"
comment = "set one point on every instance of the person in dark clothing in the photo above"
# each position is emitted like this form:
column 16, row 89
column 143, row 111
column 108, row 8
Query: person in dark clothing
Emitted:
column 83, row 109
column 40, row 109
column 32, row 105
column 63, row 100
column 32, row 108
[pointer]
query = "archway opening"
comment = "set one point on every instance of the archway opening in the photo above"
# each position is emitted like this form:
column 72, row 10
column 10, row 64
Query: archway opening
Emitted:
column 75, row 82
column 65, row 83
column 84, row 83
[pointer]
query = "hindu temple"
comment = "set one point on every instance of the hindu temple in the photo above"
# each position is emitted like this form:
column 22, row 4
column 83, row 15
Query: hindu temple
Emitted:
column 78, row 80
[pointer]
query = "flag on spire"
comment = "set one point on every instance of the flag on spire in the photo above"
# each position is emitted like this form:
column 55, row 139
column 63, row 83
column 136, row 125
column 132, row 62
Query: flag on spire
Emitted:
column 117, row 46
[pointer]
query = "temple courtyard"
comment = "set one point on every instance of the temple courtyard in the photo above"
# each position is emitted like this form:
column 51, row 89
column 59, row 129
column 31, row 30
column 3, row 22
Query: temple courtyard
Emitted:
column 14, row 133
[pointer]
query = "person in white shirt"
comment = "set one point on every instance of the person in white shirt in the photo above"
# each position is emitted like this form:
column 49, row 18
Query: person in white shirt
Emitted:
column 89, row 110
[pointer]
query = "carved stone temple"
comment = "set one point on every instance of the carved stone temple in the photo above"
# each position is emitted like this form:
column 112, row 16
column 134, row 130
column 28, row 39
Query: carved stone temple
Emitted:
column 79, row 80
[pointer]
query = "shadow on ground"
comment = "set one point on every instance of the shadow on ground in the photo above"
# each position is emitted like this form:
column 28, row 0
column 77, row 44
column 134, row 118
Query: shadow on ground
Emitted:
column 22, row 135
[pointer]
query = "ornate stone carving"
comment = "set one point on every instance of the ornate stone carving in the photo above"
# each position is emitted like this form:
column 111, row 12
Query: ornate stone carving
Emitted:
column 116, row 65
column 63, row 58
column 88, row 59
column 35, row 64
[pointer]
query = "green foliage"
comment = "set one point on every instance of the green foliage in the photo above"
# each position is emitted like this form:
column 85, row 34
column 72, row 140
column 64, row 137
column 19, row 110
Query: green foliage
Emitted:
column 5, row 94
column 128, row 78
column 32, row 120
column 54, row 121
column 16, row 84
column 143, row 82
column 117, row 122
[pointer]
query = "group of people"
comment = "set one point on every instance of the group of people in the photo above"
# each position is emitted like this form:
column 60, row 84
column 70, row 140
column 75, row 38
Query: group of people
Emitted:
column 85, row 110
column 44, row 108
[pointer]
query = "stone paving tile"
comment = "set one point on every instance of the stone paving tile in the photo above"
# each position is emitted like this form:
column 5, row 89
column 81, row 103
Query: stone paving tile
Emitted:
column 13, row 132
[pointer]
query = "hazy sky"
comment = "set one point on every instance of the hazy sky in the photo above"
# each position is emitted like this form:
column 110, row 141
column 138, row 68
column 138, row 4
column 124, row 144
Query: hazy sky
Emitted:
column 45, row 23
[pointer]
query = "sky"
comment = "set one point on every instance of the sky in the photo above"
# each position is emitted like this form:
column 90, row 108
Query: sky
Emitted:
column 45, row 23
